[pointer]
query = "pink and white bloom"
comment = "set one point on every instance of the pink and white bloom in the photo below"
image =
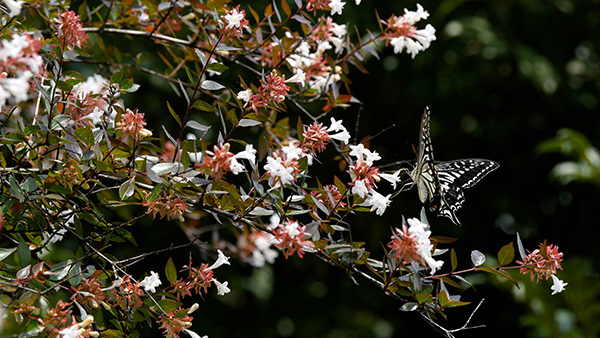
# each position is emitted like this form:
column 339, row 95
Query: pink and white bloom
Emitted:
column 424, row 246
column 222, row 288
column 234, row 18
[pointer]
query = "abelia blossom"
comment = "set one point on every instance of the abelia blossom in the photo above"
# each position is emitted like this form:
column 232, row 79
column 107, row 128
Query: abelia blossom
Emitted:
column 217, row 162
column 235, row 22
column 222, row 288
column 150, row 283
column 542, row 262
column 13, row 6
column 221, row 259
column 290, row 238
column 283, row 167
column 69, row 30
column 173, row 323
column 132, row 123
column 336, row 6
column 255, row 247
column 331, row 198
column 88, row 292
column 402, row 33
column 424, row 246
column 167, row 206
column 19, row 62
column 404, row 246
column 558, row 286
column 363, row 177
column 377, row 202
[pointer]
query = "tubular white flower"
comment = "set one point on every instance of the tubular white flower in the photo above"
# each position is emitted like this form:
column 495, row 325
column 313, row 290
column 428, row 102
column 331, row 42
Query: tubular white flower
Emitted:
column 424, row 247
column 222, row 259
column 149, row 283
column 558, row 286
column 378, row 202
column 222, row 288
column 336, row 6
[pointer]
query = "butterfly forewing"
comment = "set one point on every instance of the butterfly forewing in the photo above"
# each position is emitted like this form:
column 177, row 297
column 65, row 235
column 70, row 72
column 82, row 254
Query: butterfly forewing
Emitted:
column 424, row 174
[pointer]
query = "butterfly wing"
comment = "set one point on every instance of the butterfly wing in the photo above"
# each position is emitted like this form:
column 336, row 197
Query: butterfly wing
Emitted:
column 424, row 174
column 454, row 176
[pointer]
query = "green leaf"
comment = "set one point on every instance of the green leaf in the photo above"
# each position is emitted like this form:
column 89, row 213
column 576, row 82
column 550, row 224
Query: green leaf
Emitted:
column 127, row 189
column 169, row 305
column 424, row 298
column 15, row 189
column 32, row 329
column 506, row 254
column 23, row 252
column 6, row 252
column 117, row 77
column 217, row 67
column 171, row 271
column 453, row 259
column 154, row 193
column 174, row 114
column 443, row 299
column 203, row 106
column 248, row 123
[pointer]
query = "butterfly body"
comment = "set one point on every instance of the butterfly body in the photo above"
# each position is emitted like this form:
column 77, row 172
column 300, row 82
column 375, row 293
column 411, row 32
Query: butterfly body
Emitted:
column 441, row 184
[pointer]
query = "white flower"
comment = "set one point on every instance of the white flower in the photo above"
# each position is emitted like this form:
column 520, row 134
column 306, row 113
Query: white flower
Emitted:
column 298, row 77
column 234, row 18
column 192, row 333
column 392, row 178
column 292, row 229
column 71, row 332
column 95, row 116
column 14, row 6
column 559, row 285
column 222, row 259
column 249, row 153
column 275, row 168
column 292, row 152
column 414, row 17
column 15, row 88
column 424, row 245
column 151, row 282
column 363, row 154
column 222, row 288
column 338, row 30
column 358, row 2
column 360, row 188
column 235, row 166
column 336, row 6
column 378, row 202
column 244, row 95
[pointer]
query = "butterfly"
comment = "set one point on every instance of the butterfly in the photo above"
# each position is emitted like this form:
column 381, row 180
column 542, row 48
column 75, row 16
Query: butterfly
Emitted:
column 441, row 184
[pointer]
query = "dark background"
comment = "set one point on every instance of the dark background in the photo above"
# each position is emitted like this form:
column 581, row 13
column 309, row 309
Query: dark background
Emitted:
column 502, row 77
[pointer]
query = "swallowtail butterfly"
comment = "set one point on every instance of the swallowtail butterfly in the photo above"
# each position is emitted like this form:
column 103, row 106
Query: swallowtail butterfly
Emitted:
column 441, row 184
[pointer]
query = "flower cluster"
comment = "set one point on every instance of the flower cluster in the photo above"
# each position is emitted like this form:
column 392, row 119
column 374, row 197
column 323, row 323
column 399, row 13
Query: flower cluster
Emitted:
column 291, row 238
column 69, row 31
column 167, row 206
column 235, row 22
column 542, row 262
column 413, row 245
column 331, row 197
column 200, row 279
column 283, row 167
column 89, row 101
column 174, row 322
column 19, row 62
column 272, row 90
column 309, row 55
column 255, row 248
column 220, row 161
column 401, row 32
column 132, row 123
